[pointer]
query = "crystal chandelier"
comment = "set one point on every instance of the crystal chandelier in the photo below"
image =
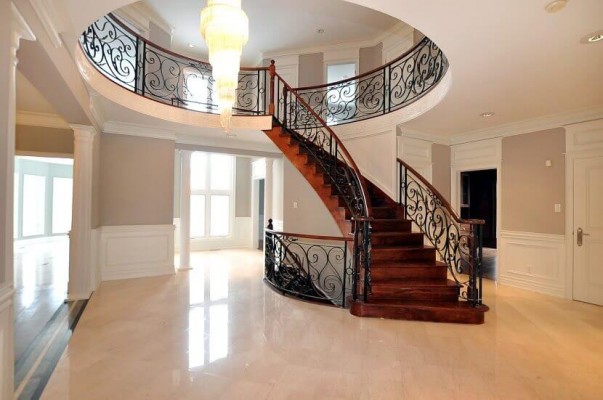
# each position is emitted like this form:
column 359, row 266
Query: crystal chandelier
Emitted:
column 225, row 29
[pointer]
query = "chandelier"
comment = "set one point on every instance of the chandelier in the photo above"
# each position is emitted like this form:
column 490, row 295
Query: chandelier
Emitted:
column 225, row 29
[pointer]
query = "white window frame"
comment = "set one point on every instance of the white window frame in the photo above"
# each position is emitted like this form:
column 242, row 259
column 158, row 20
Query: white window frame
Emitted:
column 208, row 192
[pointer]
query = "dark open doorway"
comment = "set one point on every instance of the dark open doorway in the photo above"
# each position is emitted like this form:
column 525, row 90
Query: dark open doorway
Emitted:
column 478, row 201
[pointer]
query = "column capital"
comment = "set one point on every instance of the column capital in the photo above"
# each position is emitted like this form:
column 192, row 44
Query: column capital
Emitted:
column 83, row 132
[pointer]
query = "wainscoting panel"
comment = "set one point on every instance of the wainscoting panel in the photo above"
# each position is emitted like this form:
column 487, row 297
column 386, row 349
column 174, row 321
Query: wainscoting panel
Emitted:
column 136, row 251
column 533, row 261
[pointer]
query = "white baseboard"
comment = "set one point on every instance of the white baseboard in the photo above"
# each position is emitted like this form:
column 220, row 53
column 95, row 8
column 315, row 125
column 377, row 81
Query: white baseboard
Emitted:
column 532, row 261
column 135, row 251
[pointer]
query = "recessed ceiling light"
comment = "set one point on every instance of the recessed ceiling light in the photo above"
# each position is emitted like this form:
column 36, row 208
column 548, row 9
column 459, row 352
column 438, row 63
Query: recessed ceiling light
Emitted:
column 486, row 114
column 595, row 38
column 320, row 31
column 191, row 45
column 592, row 37
column 555, row 6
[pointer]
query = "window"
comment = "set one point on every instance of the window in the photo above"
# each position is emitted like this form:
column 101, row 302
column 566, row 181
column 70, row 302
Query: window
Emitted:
column 197, row 90
column 212, row 186
column 34, row 202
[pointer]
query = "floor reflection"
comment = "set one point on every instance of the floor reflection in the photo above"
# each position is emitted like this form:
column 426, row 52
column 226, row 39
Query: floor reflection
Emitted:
column 41, row 274
column 208, row 313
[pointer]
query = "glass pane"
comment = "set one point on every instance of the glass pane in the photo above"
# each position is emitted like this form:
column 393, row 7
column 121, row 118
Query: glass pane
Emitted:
column 34, row 199
column 198, row 170
column 197, row 215
column 220, row 216
column 221, row 171
column 62, row 190
column 16, row 207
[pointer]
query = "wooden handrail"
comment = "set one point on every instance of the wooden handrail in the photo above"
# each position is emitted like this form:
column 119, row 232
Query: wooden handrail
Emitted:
column 317, row 237
column 442, row 199
column 350, row 160
column 390, row 63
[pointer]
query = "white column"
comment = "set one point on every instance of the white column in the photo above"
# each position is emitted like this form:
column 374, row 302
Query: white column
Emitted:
column 185, row 209
column 80, row 237
column 268, row 184
column 13, row 28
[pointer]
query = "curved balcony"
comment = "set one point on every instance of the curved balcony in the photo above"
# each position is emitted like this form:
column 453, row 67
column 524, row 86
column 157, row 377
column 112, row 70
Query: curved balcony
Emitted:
column 146, row 69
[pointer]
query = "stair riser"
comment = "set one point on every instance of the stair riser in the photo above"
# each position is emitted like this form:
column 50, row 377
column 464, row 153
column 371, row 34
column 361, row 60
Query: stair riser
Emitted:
column 416, row 314
column 391, row 226
column 402, row 240
column 402, row 254
column 388, row 274
column 431, row 293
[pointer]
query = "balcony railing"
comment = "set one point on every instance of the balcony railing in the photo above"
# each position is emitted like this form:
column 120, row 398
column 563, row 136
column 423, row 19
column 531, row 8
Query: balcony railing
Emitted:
column 159, row 74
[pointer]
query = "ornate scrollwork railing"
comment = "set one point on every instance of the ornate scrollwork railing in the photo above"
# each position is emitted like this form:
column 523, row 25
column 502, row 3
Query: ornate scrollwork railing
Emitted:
column 457, row 241
column 316, row 268
column 383, row 90
column 162, row 75
column 333, row 159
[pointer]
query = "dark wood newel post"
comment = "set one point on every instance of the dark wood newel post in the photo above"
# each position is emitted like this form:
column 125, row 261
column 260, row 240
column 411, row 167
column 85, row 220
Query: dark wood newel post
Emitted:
column 272, row 71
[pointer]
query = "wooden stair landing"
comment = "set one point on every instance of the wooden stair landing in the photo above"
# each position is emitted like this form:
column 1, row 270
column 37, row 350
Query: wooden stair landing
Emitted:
column 406, row 280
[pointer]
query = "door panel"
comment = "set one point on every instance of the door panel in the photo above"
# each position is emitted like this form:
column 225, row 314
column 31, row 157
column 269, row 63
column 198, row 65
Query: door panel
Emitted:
column 588, row 216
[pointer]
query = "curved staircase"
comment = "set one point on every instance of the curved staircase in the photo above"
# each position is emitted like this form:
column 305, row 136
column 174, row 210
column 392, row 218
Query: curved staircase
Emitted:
column 406, row 281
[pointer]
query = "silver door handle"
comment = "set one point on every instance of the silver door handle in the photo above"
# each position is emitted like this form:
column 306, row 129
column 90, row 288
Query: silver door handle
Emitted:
column 580, row 234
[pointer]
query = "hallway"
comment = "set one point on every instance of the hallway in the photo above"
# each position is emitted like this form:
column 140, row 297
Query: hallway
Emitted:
column 218, row 332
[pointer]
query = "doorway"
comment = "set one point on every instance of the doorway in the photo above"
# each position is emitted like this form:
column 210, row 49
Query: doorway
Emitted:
column 588, row 230
column 478, row 201
column 42, row 221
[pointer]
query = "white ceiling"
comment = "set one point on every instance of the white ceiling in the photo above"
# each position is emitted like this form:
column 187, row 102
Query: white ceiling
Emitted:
column 276, row 25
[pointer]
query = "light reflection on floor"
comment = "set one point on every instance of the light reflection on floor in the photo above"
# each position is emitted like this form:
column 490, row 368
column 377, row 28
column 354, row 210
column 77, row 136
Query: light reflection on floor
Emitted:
column 41, row 274
column 208, row 314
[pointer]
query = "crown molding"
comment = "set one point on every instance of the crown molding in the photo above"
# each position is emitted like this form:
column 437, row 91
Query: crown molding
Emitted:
column 139, row 15
column 416, row 134
column 44, row 120
column 47, row 15
column 531, row 125
column 139, row 130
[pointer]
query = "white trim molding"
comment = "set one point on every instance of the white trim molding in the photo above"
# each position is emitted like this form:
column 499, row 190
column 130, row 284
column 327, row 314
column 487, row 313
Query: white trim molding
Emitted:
column 533, row 261
column 44, row 120
column 136, row 251
column 6, row 342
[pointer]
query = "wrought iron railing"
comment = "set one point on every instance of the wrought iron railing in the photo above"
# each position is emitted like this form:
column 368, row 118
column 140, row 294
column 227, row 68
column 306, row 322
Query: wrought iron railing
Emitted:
column 383, row 90
column 337, row 165
column 457, row 241
column 162, row 75
column 316, row 268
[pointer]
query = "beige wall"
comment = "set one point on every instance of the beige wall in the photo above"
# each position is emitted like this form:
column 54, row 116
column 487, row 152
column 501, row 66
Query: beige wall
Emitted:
column 43, row 140
column 311, row 70
column 370, row 58
column 311, row 216
column 529, row 188
column 440, row 173
column 136, row 181
column 243, row 187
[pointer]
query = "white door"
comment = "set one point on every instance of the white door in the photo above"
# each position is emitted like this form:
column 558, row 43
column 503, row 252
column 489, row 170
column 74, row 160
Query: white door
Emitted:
column 588, row 230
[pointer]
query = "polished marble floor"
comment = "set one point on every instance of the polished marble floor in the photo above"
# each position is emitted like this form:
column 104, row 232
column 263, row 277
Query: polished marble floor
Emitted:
column 217, row 332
